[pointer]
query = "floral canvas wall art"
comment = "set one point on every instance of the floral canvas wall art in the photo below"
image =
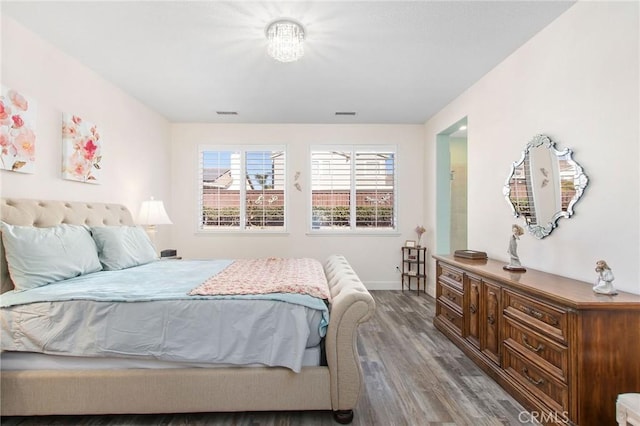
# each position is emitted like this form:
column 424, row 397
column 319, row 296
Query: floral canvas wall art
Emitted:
column 81, row 150
column 17, row 131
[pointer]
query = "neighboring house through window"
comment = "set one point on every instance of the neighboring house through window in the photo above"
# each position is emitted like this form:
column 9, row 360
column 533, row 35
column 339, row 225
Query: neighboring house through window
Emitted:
column 242, row 188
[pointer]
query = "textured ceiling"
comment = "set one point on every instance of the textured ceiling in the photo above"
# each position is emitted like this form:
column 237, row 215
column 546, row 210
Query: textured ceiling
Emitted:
column 389, row 61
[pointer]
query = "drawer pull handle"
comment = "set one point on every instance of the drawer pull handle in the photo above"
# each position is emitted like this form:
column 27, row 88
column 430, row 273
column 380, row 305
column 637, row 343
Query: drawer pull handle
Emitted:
column 530, row 346
column 453, row 276
column 538, row 382
column 473, row 309
column 552, row 320
column 535, row 313
column 449, row 317
column 491, row 319
column 450, row 297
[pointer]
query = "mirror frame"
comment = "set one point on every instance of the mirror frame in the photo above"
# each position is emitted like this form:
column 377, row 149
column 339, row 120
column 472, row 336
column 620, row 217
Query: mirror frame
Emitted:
column 581, row 180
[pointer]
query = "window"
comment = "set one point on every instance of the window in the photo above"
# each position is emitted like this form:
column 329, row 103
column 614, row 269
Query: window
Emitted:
column 353, row 188
column 242, row 188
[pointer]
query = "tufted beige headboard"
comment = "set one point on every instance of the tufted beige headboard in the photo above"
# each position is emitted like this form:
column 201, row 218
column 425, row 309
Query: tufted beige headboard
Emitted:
column 43, row 213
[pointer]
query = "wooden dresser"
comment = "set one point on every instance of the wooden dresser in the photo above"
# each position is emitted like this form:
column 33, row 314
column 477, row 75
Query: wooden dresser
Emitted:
column 564, row 352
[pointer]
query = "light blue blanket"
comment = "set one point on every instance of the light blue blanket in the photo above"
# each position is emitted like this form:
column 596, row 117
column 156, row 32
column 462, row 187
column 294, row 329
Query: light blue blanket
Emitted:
column 160, row 280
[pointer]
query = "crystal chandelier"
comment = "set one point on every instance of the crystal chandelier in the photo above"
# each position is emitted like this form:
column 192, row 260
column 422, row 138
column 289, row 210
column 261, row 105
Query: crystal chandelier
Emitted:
column 286, row 40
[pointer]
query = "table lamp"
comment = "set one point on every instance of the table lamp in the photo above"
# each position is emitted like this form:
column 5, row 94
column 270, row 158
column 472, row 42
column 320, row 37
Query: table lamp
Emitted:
column 152, row 213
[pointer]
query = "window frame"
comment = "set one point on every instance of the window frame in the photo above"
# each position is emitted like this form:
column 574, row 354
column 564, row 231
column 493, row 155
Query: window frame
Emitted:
column 242, row 149
column 353, row 229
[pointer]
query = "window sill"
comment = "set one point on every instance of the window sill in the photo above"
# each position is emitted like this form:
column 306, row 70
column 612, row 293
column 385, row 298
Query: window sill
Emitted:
column 238, row 233
column 349, row 233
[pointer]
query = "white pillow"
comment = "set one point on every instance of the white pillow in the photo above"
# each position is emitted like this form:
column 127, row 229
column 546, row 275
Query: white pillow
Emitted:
column 122, row 247
column 40, row 256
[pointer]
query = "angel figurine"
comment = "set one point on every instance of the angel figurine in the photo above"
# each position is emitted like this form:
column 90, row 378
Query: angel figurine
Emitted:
column 604, row 280
column 514, row 261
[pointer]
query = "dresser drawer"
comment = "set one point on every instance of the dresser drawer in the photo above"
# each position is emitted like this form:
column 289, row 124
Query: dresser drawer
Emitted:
column 452, row 318
column 452, row 295
column 537, row 346
column 541, row 317
column 537, row 380
column 451, row 276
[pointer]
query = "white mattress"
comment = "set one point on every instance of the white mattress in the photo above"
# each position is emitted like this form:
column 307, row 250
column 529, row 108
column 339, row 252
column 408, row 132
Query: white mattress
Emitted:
column 37, row 361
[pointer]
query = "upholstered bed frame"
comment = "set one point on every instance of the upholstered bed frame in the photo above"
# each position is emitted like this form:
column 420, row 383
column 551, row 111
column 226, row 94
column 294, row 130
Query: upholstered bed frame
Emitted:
column 335, row 387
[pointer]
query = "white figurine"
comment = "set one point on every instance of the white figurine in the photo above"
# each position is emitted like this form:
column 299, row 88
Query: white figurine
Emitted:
column 604, row 280
column 514, row 261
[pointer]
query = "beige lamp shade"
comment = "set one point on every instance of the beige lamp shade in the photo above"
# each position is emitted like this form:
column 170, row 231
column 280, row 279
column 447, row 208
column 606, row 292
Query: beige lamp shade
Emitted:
column 152, row 212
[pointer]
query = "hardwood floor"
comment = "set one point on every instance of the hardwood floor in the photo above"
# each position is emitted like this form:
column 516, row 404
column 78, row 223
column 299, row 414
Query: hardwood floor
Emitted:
column 414, row 376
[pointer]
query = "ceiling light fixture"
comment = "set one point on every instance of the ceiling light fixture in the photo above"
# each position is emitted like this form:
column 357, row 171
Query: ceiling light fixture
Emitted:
column 286, row 40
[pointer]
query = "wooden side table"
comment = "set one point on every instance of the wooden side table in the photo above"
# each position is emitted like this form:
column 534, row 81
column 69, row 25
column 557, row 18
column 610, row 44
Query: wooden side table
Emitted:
column 414, row 267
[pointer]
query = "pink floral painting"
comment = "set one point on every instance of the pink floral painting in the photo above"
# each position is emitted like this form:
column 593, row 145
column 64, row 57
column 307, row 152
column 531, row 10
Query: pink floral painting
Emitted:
column 17, row 131
column 81, row 150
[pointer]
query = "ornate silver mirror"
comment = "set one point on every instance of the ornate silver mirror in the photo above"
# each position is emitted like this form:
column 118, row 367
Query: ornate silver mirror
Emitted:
column 544, row 185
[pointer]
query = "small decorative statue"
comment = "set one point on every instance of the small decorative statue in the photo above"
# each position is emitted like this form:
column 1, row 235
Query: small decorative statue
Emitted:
column 514, row 261
column 604, row 280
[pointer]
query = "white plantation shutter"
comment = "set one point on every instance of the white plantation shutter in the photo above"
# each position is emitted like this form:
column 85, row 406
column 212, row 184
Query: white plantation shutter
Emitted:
column 219, row 197
column 242, row 189
column 265, row 189
column 375, row 188
column 331, row 189
column 353, row 188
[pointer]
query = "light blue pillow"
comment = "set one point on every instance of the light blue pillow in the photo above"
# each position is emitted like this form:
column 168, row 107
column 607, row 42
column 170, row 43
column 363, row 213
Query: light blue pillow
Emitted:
column 41, row 256
column 121, row 247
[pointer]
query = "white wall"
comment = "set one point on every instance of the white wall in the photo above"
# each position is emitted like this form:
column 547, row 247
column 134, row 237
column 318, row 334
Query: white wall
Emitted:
column 373, row 257
column 578, row 82
column 135, row 139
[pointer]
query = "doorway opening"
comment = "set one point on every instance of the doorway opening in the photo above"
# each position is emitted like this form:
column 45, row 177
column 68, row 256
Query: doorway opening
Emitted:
column 451, row 188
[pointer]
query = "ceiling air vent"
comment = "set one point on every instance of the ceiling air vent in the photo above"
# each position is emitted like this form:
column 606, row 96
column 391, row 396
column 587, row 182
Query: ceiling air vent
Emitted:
column 352, row 113
column 227, row 112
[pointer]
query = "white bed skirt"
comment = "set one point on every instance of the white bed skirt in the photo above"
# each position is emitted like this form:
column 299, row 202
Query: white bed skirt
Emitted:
column 15, row 361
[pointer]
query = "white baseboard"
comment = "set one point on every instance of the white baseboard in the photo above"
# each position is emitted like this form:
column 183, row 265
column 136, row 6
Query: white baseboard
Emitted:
column 391, row 285
column 382, row 285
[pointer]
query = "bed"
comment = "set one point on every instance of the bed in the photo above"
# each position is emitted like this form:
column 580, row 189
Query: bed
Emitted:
column 323, row 374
